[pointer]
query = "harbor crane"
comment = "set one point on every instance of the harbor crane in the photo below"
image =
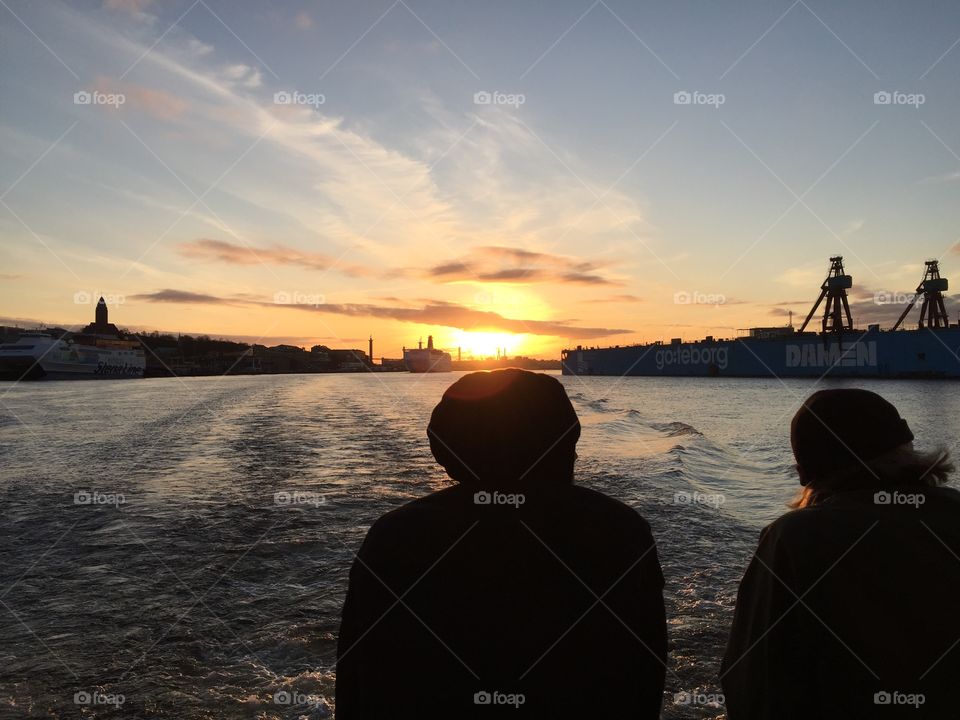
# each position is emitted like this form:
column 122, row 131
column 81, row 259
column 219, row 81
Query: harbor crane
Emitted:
column 932, row 311
column 836, row 315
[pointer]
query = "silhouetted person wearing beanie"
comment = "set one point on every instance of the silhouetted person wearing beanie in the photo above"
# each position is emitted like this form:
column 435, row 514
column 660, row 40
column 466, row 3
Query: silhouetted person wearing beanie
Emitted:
column 514, row 593
column 849, row 608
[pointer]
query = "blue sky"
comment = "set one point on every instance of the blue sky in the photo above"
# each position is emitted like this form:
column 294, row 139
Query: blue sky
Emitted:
column 577, row 206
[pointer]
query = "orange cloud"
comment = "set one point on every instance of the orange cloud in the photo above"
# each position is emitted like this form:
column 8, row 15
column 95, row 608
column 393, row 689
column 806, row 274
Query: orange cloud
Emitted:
column 433, row 313
column 134, row 7
column 303, row 21
column 156, row 103
column 497, row 263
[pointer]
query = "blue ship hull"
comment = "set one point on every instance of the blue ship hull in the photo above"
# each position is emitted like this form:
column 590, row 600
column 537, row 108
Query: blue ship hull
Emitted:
column 923, row 353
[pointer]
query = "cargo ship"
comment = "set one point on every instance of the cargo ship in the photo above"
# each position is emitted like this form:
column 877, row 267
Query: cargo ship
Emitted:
column 98, row 352
column 931, row 350
column 427, row 359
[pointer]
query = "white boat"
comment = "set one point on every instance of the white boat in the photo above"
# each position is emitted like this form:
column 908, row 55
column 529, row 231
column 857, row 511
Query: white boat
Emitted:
column 97, row 352
column 37, row 355
column 427, row 359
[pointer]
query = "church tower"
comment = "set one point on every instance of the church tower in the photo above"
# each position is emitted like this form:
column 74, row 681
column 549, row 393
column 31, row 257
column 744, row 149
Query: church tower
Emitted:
column 101, row 324
column 100, row 320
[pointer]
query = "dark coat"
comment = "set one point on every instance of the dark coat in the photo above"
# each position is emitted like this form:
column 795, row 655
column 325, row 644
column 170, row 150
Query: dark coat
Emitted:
column 501, row 599
column 876, row 624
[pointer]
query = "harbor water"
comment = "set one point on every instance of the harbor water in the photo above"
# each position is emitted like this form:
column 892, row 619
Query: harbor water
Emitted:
column 180, row 547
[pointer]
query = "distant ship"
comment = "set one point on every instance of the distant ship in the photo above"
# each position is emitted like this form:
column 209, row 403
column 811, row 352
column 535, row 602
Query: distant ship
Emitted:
column 99, row 351
column 427, row 359
column 932, row 350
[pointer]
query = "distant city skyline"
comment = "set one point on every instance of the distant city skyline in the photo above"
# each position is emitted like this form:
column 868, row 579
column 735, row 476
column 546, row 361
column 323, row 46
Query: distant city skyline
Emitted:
column 496, row 175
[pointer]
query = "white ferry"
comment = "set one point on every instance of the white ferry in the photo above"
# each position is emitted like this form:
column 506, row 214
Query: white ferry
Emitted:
column 427, row 359
column 97, row 352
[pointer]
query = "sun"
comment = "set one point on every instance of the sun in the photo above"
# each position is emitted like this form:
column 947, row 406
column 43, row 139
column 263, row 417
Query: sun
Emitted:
column 486, row 344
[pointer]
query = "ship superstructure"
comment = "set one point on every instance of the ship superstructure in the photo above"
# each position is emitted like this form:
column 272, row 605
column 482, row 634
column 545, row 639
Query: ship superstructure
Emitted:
column 427, row 359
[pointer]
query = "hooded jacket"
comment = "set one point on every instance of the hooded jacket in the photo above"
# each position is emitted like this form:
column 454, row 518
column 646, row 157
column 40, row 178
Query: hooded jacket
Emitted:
column 546, row 605
column 849, row 609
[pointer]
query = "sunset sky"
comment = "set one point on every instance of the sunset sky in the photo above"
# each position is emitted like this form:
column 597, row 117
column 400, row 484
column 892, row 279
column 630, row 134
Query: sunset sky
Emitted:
column 509, row 174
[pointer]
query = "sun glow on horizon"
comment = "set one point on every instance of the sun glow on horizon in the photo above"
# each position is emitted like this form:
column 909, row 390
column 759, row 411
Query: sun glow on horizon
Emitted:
column 486, row 344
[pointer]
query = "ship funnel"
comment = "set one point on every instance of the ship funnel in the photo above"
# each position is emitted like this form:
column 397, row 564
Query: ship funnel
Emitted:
column 429, row 342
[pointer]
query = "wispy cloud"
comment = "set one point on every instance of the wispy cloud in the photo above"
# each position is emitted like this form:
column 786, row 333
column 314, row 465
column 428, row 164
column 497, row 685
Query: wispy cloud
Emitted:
column 616, row 299
column 159, row 104
column 434, row 313
column 943, row 178
column 496, row 264
column 133, row 7
column 236, row 254
column 793, row 303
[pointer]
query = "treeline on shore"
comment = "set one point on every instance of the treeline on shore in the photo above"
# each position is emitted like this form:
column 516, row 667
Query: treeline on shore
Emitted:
column 168, row 354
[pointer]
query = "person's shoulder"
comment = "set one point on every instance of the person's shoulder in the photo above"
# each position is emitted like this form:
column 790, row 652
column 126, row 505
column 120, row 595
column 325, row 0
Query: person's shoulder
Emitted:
column 802, row 521
column 615, row 511
column 794, row 522
column 418, row 509
column 944, row 494
column 413, row 522
column 843, row 510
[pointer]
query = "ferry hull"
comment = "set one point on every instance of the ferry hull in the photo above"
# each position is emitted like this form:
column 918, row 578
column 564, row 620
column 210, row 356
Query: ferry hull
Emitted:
column 427, row 364
column 37, row 357
column 20, row 369
column 925, row 353
column 29, row 370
